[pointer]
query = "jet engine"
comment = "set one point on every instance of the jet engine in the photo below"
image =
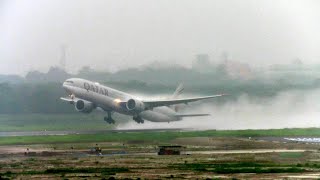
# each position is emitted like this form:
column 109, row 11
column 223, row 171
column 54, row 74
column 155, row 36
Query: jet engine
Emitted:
column 84, row 106
column 135, row 105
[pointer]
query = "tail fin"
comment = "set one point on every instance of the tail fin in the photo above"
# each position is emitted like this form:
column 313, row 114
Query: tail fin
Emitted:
column 177, row 92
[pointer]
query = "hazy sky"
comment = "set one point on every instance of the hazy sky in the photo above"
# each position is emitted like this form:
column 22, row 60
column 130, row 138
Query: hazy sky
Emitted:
column 125, row 33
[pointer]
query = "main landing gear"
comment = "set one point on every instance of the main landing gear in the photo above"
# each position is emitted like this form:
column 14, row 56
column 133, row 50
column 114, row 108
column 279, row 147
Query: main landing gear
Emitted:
column 109, row 119
column 138, row 119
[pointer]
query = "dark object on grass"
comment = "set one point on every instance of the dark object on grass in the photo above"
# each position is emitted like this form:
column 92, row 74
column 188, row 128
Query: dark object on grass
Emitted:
column 170, row 150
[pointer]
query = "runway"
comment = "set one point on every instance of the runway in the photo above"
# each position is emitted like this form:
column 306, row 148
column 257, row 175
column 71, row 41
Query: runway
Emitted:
column 296, row 139
column 56, row 133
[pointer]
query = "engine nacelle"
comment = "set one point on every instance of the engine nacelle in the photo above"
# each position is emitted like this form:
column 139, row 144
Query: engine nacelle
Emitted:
column 84, row 106
column 135, row 105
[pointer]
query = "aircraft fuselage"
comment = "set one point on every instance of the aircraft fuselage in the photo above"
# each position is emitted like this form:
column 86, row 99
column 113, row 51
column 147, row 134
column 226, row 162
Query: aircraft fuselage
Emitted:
column 108, row 99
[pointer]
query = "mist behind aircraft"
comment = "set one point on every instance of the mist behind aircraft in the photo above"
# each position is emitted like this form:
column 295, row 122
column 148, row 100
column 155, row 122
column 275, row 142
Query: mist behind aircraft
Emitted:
column 289, row 109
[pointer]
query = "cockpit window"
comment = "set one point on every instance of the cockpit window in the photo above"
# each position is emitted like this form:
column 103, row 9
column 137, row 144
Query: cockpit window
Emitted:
column 69, row 81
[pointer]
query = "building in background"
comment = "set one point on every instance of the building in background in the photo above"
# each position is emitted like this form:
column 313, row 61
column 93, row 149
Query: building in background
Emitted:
column 202, row 63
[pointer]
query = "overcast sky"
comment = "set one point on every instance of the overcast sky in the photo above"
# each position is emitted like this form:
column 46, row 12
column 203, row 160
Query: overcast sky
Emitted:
column 127, row 33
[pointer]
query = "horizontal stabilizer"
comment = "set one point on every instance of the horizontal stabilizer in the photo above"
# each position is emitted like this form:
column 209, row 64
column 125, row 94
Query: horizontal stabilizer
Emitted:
column 191, row 115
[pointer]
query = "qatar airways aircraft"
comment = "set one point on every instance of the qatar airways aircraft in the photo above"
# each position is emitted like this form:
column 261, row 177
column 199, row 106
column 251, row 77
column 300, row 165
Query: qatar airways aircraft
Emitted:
column 87, row 95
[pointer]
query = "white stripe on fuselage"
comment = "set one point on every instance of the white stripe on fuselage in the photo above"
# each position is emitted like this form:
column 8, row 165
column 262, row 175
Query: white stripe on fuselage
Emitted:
column 104, row 97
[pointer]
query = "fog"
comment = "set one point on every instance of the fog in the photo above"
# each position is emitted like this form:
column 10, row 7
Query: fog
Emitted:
column 264, row 53
column 291, row 109
column 117, row 34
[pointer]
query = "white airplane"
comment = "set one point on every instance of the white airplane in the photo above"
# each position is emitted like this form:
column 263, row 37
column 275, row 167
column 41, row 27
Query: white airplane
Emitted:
column 87, row 95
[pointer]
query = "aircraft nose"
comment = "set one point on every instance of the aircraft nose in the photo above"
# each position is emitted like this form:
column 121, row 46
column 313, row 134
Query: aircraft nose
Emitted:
column 64, row 85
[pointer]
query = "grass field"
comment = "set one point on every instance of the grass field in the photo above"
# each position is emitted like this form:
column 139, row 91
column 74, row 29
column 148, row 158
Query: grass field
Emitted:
column 291, row 154
column 53, row 122
column 94, row 121
column 161, row 137
column 243, row 167
column 78, row 165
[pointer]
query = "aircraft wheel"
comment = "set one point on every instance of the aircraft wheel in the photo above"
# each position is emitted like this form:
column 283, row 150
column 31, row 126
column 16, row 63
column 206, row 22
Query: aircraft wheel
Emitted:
column 109, row 120
column 138, row 119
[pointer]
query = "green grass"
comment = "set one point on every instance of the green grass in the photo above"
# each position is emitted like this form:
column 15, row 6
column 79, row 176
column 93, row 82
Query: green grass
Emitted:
column 258, row 170
column 291, row 154
column 94, row 121
column 162, row 137
column 53, row 122
column 243, row 167
column 104, row 171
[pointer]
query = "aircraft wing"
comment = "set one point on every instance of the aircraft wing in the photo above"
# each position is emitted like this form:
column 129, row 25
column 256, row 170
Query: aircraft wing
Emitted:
column 157, row 103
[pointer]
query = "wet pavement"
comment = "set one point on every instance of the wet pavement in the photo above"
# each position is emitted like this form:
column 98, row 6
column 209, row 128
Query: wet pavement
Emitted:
column 43, row 133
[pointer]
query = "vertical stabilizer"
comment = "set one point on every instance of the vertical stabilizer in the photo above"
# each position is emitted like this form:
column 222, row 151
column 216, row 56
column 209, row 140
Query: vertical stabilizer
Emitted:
column 177, row 92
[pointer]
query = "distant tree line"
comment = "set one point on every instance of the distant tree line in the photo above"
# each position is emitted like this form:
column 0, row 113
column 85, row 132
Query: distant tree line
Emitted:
column 32, row 98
